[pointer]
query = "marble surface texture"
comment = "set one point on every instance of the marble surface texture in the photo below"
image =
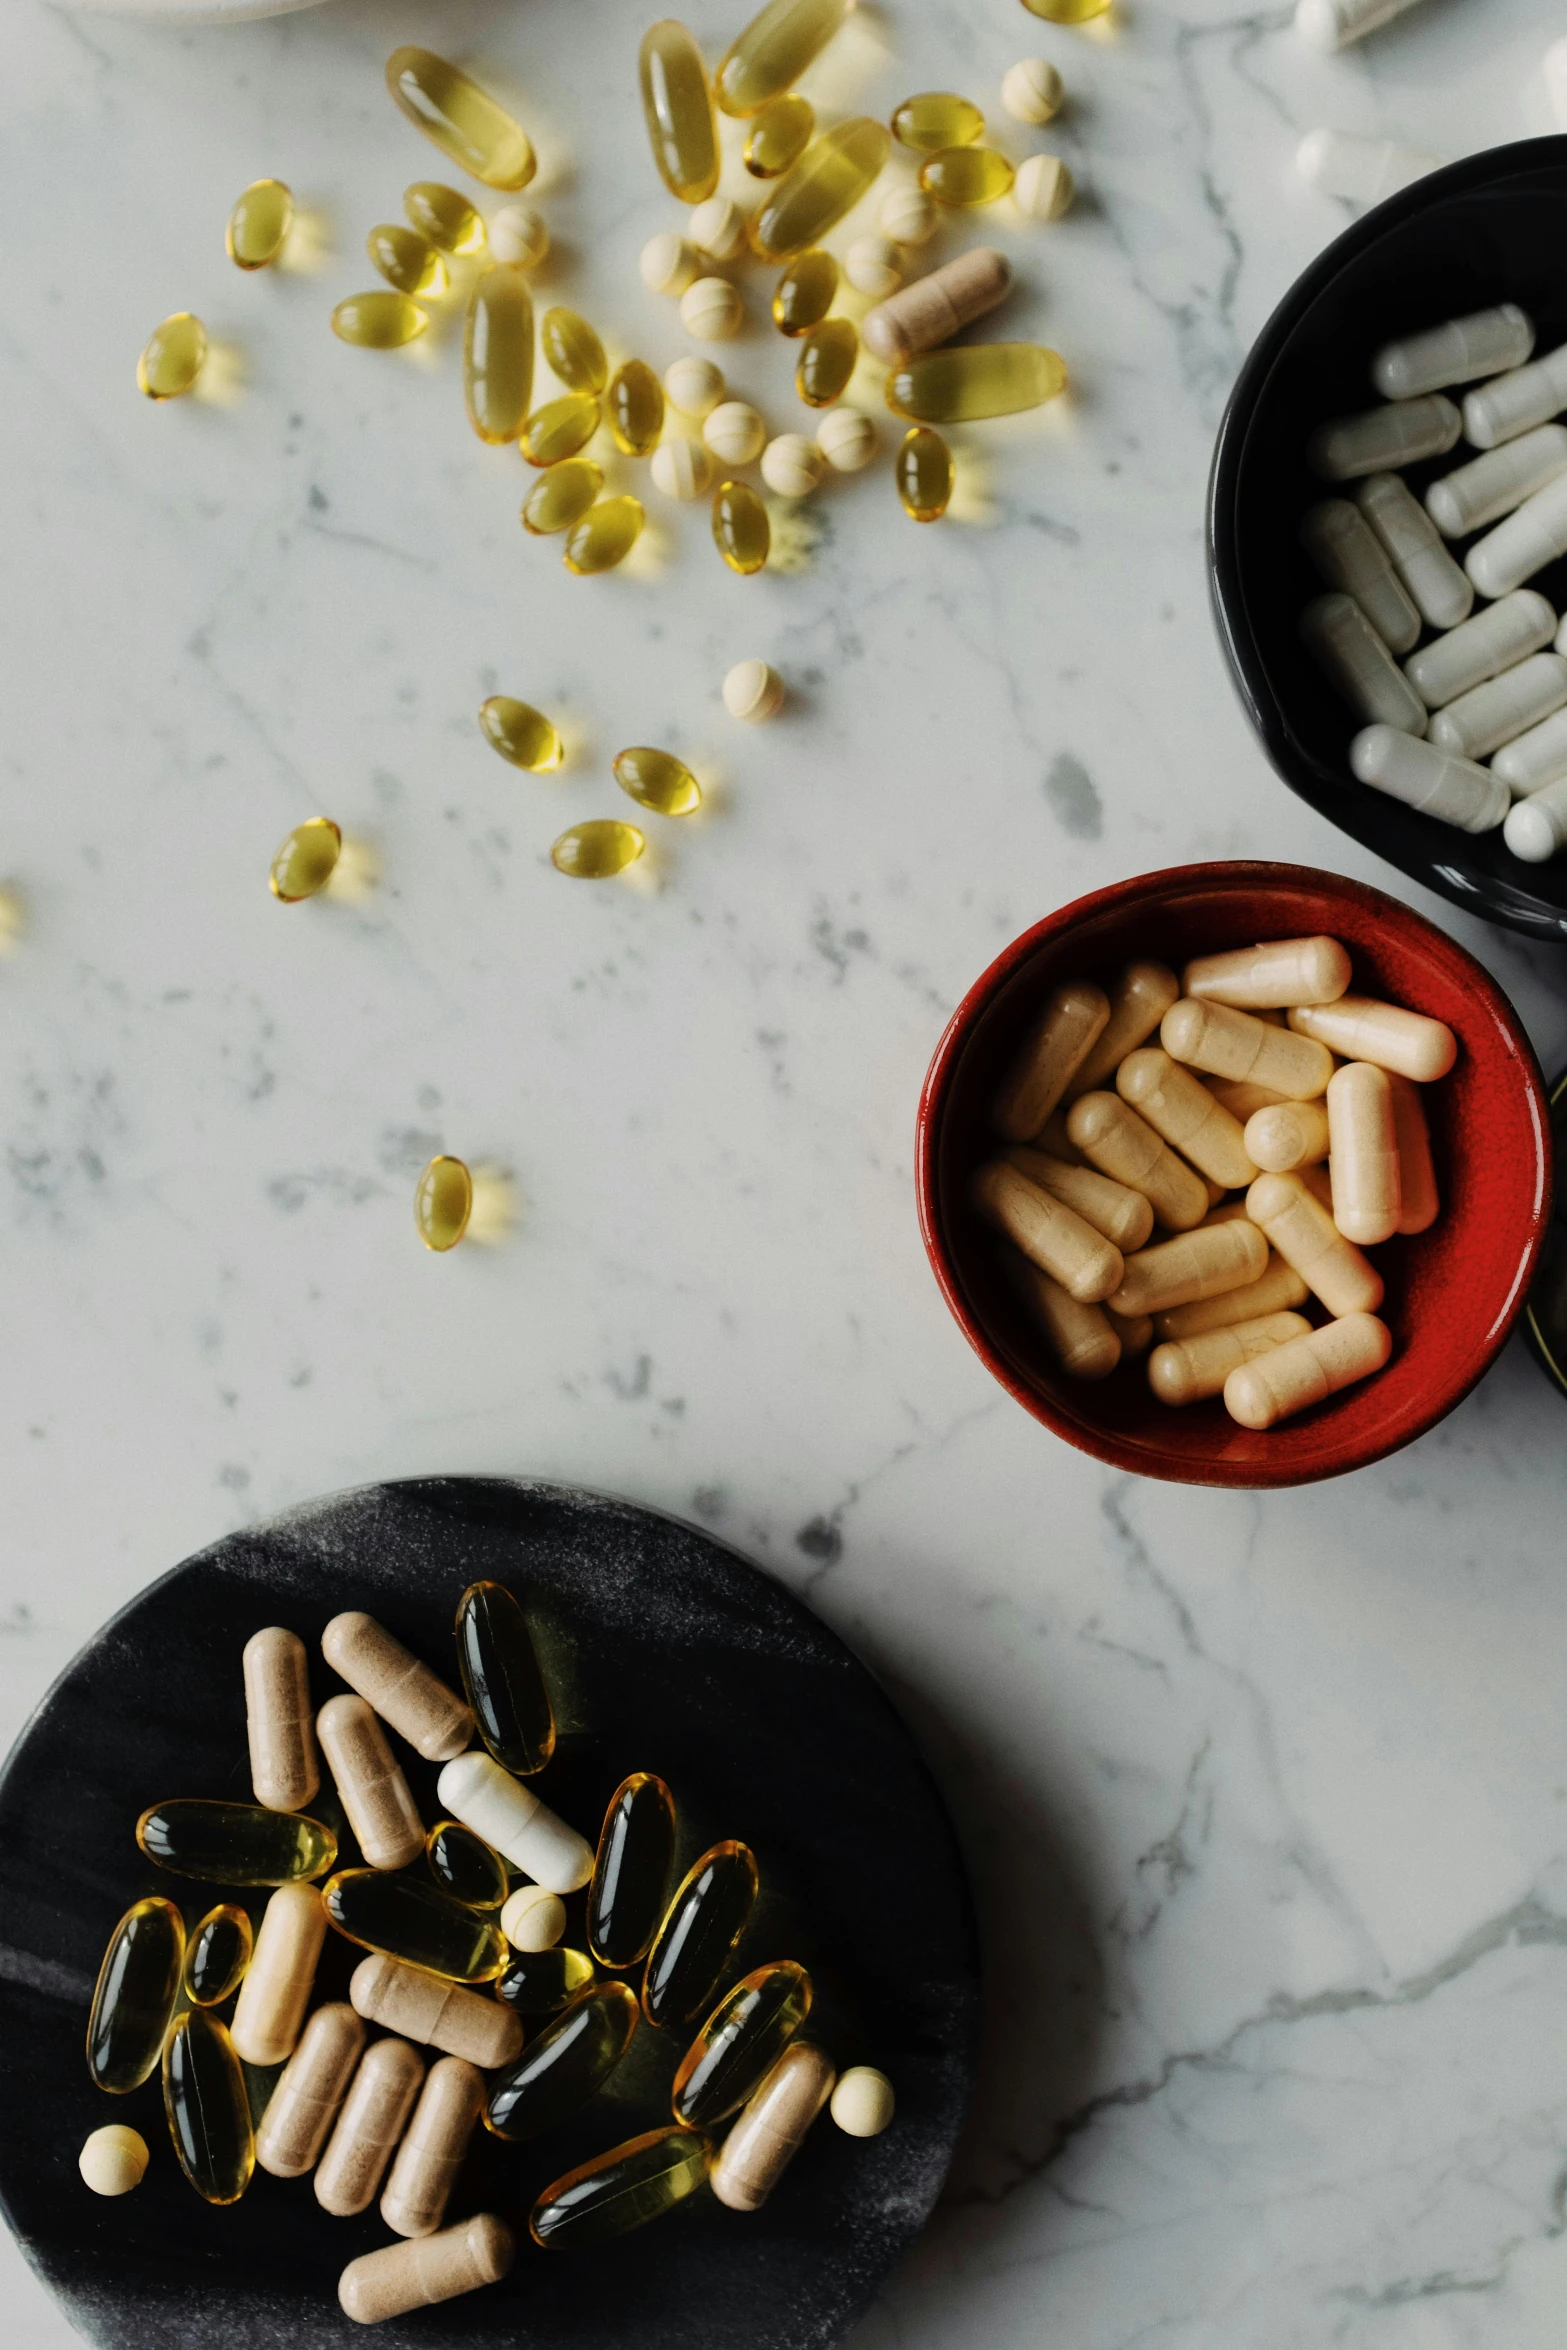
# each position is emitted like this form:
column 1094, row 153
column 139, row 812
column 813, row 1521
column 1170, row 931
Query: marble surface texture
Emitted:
column 1266, row 1798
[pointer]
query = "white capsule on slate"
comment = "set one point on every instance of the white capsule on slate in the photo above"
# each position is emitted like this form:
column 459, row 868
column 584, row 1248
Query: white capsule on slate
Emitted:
column 1489, row 715
column 1511, row 404
column 1348, row 650
column 1441, row 591
column 1491, row 485
column 1380, row 440
column 1537, row 827
column 1495, row 639
column 1535, row 758
column 1532, row 536
column 1487, row 342
column 1429, row 780
column 1350, row 556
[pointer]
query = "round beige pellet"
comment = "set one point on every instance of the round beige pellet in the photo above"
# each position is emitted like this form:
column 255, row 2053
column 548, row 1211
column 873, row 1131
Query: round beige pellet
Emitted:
column 753, row 691
column 863, row 2103
column 518, row 235
column 1032, row 90
column 846, row 437
column 682, row 468
column 1044, row 188
column 669, row 264
column 712, row 310
column 908, row 216
column 718, row 228
column 533, row 1918
column 873, row 266
column 734, row 432
column 694, row 386
column 792, row 465
column 114, row 2159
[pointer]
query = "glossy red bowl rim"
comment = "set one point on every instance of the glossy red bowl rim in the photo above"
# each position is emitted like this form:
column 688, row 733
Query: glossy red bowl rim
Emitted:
column 1106, row 1444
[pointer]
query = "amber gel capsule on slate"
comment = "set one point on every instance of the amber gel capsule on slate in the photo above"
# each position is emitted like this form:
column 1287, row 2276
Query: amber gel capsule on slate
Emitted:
column 740, row 2043
column 620, row 2190
column 631, row 1873
column 138, row 1984
column 501, row 1679
column 209, row 2113
column 703, row 1923
column 235, row 1843
column 218, row 1955
column 568, row 2062
column 540, row 1982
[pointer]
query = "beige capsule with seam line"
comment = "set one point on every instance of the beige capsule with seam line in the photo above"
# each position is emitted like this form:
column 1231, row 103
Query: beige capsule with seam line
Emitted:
column 402, row 1689
column 400, row 2277
column 431, row 2154
column 1271, row 976
column 277, row 1985
column 285, row 1770
column 1367, row 1192
column 1307, row 1371
column 1050, row 1234
column 1186, row 1370
column 1186, row 1114
column 1059, row 1041
column 1139, row 999
column 310, row 2089
column 1362, row 1029
column 1305, row 1235
column 1124, row 1216
column 373, row 1791
column 435, row 2012
column 1278, row 1290
column 1193, row 1265
column 1081, row 1338
column 1292, row 1134
column 1113, row 1138
column 1241, row 1098
column 1231, row 1043
column 772, row 2127
column 380, row 2098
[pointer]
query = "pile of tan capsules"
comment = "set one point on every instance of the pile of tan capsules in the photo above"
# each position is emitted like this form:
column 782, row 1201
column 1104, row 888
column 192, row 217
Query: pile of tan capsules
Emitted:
column 1481, row 683
column 435, row 1913
column 1118, row 1207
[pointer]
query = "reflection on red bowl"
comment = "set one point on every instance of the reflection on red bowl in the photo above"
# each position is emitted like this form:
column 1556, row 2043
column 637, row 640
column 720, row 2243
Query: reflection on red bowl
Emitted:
column 1453, row 1293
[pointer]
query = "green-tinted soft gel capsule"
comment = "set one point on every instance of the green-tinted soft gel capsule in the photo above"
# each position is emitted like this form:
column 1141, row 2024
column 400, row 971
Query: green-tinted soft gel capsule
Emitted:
column 741, row 531
column 173, row 357
column 573, row 351
column 379, row 321
column 620, row 2190
column 937, row 119
column 832, row 175
column 209, row 2113
column 538, row 1982
column 259, row 224
column 521, row 734
column 631, row 1873
column 635, row 402
column 446, row 218
column 218, row 1955
column 464, row 1866
column 408, row 260
column 827, row 359
column 703, row 1923
column 235, row 1843
column 138, row 1984
column 598, row 849
column 561, row 496
column 406, row 1917
column 605, row 536
column 658, row 780
column 560, row 428
column 778, row 137
column 741, row 2041
column 571, row 2059
column 803, row 295
column 774, row 49
column 307, row 860
column 501, row 1679
column 443, row 1203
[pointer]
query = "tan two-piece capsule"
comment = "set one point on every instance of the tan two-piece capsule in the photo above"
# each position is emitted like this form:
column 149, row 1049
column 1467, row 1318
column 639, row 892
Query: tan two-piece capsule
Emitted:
column 1196, row 1264
column 1242, row 1099
column 1081, row 1338
column 284, row 1770
column 1270, row 977
column 404, row 1692
column 1305, row 1235
column 438, row 2014
column 1231, row 1043
column 1364, row 1030
column 1307, row 1371
column 1186, row 1114
column 1279, row 1290
column 1121, row 1214
column 431, row 2154
column 934, row 308
column 772, row 2127
column 1367, row 1194
column 1111, row 1135
column 1290, row 1135
column 276, row 1989
column 1135, row 1331
column 1420, row 1201
column 400, row 2277
column 1185, row 1370
column 380, row 2099
column 374, row 1793
column 1138, row 1002
column 1050, row 1235
column 310, row 2089
column 1059, row 1041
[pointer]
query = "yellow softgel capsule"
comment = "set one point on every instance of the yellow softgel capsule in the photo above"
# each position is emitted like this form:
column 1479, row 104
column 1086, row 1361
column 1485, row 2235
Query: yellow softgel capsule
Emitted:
column 830, row 178
column 445, row 217
column 560, row 428
column 937, row 119
column 636, row 409
column 741, row 531
column 561, row 496
column 803, row 295
column 443, row 1202
column 774, row 50
column 924, row 474
column 1066, row 11
column 172, row 357
column 779, row 136
column 464, row 121
column 259, row 224
column 598, row 849
column 973, row 380
column 307, row 860
column 573, row 350
column 826, row 362
column 678, row 103
column 497, row 355
column 379, row 322
column 658, row 780
column 961, row 176
column 605, row 536
column 207, row 2108
column 521, row 734
column 407, row 260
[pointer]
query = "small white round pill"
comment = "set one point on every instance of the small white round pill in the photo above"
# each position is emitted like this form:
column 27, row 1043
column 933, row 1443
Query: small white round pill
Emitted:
column 734, row 432
column 518, row 235
column 712, row 310
column 533, row 1918
column 908, row 216
column 114, row 2159
column 682, row 468
column 863, row 2102
column 1043, row 187
column 718, row 227
column 753, row 691
column 1032, row 90
column 694, row 386
column 873, row 266
column 792, row 465
column 668, row 263
column 846, row 437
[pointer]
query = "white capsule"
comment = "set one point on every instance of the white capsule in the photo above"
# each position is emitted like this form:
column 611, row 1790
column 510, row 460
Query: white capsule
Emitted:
column 1493, row 484
column 718, row 227
column 792, row 465
column 1380, row 440
column 1441, row 591
column 518, row 235
column 1536, row 534
column 1487, row 342
column 908, row 215
column 1044, row 187
column 1516, row 403
column 1537, row 827
column 694, row 386
column 1554, row 66
column 1535, row 758
column 1496, row 638
column 1489, row 715
column 1348, row 650
column 712, row 310
column 1333, row 24
column 1362, row 171
column 487, row 1799
column 681, row 468
column 734, row 432
column 873, row 266
column 668, row 263
column 1432, row 782
column 846, row 437
column 753, row 690
column 1349, row 555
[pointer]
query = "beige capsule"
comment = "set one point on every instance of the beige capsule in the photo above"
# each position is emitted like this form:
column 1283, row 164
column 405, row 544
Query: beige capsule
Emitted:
column 1307, row 1371
column 1279, row 1290
column 1049, row 1234
column 1242, row 1099
column 372, row 1789
column 1121, row 1214
column 1291, row 1134
column 285, row 1770
column 1367, row 1195
column 1364, row 1030
column 1135, row 1332
column 400, row 2277
column 934, row 308
column 1282, row 972
column 1054, row 1138
column 1305, row 1235
column 1319, row 1182
column 1185, row 1370
column 431, row 2155
column 1113, row 1138
column 1080, row 1337
column 1059, row 1041
column 1186, row 1114
column 435, row 2012
column 1193, row 1265
column 772, row 2127
column 1421, row 1201
column 380, row 2099
column 310, row 2090
column 1230, row 1043
column 404, row 1692
column 276, row 1989
column 1139, row 1000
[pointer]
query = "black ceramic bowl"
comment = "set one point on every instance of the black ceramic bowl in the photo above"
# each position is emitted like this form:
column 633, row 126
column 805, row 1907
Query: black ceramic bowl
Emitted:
column 1490, row 229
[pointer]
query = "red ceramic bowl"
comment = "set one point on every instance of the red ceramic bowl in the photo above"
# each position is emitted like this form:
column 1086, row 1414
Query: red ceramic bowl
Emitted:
column 1453, row 1293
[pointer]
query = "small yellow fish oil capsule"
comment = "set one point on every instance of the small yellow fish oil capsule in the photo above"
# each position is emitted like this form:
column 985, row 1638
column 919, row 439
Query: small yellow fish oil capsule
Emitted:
column 741, row 531
column 962, row 176
column 1066, row 11
column 803, row 295
column 924, row 475
column 541, row 1982
column 937, row 119
column 830, row 178
column 636, row 408
column 442, row 1205
column 405, row 1918
column 561, row 496
column 636, row 1846
column 497, row 355
column 235, row 1843
column 604, row 537
column 379, row 322
column 560, row 428
column 973, row 380
column 524, row 736
column 774, row 50
column 678, row 103
column 407, row 260
column 209, row 2112
column 464, row 1866
column 827, row 362
column 445, row 217
column 307, row 860
column 658, row 780
column 172, row 357
column 620, row 2190
column 598, row 849
column 573, row 350
column 138, row 1985
column 740, row 2042
column 779, row 136
column 568, row 2062
column 464, row 121
column 218, row 1955
column 259, row 224
column 709, row 1913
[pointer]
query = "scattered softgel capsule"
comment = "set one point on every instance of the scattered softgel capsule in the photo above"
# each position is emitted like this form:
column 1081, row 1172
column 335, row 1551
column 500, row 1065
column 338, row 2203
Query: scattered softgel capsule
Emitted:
column 565, row 2065
column 658, row 780
column 774, row 49
column 709, row 1913
column 605, row 536
column 924, row 473
column 172, row 358
column 443, row 1202
column 832, row 175
column 963, row 176
column 408, row 260
column 501, row 1679
column 826, row 362
column 465, row 122
column 444, row 216
column 307, row 860
column 560, row 428
column 464, row 1866
column 405, row 1919
column 138, row 1986
column 235, row 1843
column 937, row 119
column 217, row 1955
column 542, row 1982
column 778, row 137
column 635, row 406
column 740, row 2042
column 519, row 732
column 631, row 1871
column 259, row 224
column 804, row 293
column 561, row 496
column 741, row 531
column 379, row 322
column 573, row 350
column 497, row 355
column 620, row 2190
column 678, row 104
column 598, row 849
column 975, row 380
column 208, row 2111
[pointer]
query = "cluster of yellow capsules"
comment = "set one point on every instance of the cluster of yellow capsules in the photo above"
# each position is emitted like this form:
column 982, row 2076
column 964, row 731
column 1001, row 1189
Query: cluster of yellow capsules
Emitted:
column 1244, row 1091
column 436, row 1915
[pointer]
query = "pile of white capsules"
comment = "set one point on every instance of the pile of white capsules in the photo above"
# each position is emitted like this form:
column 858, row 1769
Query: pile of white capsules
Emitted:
column 1481, row 686
column 1269, row 1079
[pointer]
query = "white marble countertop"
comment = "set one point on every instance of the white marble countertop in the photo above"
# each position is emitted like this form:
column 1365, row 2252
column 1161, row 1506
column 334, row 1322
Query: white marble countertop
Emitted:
column 1266, row 1795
